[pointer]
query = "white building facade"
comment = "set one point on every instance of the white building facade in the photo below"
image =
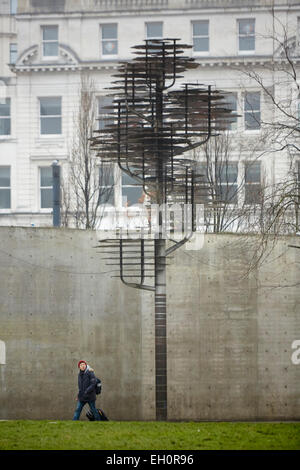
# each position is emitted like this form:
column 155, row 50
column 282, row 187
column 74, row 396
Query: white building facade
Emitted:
column 46, row 47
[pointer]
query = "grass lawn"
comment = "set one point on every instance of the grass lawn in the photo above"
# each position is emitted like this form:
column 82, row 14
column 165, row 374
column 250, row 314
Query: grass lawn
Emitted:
column 115, row 435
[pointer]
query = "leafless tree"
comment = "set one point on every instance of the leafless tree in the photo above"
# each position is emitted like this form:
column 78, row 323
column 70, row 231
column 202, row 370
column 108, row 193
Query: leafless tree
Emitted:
column 88, row 185
column 279, row 83
column 230, row 205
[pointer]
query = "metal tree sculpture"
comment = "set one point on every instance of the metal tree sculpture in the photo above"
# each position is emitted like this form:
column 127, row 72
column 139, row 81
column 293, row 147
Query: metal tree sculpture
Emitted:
column 148, row 129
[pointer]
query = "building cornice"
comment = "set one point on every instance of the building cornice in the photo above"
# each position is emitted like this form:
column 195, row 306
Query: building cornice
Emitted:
column 62, row 67
column 66, row 7
column 229, row 62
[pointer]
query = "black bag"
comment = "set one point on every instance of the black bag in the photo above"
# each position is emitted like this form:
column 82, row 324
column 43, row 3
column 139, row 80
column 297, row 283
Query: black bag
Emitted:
column 98, row 386
column 91, row 417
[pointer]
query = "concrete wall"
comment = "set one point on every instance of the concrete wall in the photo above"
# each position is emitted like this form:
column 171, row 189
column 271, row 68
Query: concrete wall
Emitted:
column 229, row 337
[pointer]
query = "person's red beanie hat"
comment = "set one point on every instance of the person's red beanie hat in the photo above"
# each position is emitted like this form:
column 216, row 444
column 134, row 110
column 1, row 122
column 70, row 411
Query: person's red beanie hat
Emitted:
column 81, row 362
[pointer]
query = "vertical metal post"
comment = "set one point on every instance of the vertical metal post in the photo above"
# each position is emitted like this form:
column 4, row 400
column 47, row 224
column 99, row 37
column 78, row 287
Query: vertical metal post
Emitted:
column 56, row 193
column 160, row 271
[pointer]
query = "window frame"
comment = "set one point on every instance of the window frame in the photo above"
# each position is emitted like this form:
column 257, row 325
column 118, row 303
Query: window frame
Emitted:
column 248, row 184
column 13, row 52
column 101, row 116
column 108, row 205
column 239, row 36
column 252, row 111
column 123, row 205
column 13, row 7
column 228, row 184
column 112, row 39
column 40, row 168
column 151, row 23
column 206, row 52
column 235, row 122
column 6, row 188
column 7, row 118
column 43, row 41
column 51, row 135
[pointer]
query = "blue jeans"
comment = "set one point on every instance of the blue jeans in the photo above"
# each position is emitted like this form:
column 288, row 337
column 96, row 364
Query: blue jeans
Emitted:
column 80, row 405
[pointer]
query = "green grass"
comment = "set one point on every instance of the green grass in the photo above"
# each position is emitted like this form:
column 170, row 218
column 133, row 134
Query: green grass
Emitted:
column 115, row 435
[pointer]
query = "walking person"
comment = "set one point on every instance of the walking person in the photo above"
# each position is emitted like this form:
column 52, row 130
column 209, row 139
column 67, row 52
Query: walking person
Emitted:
column 86, row 391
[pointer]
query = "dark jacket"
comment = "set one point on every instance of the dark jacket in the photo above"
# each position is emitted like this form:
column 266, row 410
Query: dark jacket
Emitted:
column 86, row 385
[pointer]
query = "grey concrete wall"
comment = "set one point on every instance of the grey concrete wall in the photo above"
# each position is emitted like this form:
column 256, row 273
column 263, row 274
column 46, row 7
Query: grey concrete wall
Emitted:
column 229, row 336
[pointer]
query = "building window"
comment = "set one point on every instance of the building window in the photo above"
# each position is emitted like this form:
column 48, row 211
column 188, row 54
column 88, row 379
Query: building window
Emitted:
column 50, row 115
column 104, row 104
column 252, row 110
column 109, row 36
column 154, row 30
column 203, row 177
column 200, row 36
column 226, row 182
column 231, row 104
column 13, row 7
column 46, row 187
column 4, row 187
column 252, row 182
column 50, row 41
column 132, row 191
column 106, row 184
column 13, row 52
column 246, row 29
column 5, row 117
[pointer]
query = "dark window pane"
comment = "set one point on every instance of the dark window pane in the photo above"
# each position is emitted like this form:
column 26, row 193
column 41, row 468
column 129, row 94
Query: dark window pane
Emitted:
column 201, row 44
column 50, row 106
column 231, row 101
column 252, row 120
column 13, row 7
column 200, row 28
column 13, row 53
column 50, row 125
column 247, row 27
column 154, row 30
column 46, row 176
column 252, row 102
column 109, row 47
column 231, row 104
column 201, row 171
column 131, row 195
column 4, row 198
column 252, row 173
column 5, row 107
column 4, row 126
column 107, row 195
column 5, row 177
column 128, row 180
column 247, row 43
column 50, row 33
column 109, row 31
column 50, row 49
column 46, row 198
column 227, row 173
column 106, row 176
column 252, row 193
column 227, row 193
column 103, row 103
